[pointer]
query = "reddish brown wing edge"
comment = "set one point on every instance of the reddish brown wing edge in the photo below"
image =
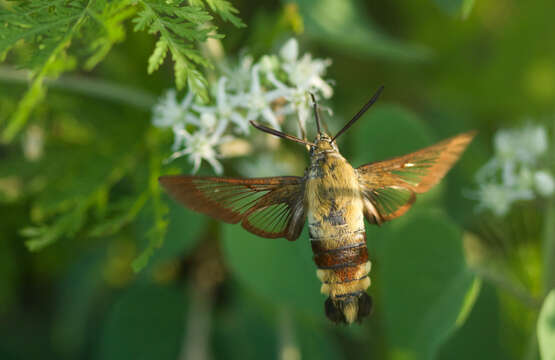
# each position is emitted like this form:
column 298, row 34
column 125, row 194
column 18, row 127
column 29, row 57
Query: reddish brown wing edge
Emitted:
column 416, row 172
column 234, row 200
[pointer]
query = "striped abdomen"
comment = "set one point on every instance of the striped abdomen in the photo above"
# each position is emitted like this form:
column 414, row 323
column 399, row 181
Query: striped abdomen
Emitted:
column 343, row 268
column 336, row 228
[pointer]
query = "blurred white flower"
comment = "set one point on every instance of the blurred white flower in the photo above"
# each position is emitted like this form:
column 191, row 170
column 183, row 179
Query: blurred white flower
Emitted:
column 248, row 91
column 269, row 64
column 305, row 73
column 511, row 174
column 240, row 75
column 258, row 102
column 544, row 183
column 523, row 145
column 201, row 145
column 498, row 198
column 226, row 108
column 169, row 112
column 290, row 50
column 297, row 101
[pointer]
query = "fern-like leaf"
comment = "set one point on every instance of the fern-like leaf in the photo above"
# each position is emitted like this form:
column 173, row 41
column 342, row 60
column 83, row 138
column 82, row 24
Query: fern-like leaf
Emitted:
column 226, row 11
column 49, row 27
column 157, row 58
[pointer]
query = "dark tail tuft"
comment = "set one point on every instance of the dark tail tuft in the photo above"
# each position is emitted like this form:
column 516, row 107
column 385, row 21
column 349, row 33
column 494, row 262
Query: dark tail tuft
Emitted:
column 364, row 306
column 335, row 308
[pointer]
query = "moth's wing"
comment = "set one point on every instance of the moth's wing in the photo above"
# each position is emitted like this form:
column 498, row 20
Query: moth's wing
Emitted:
column 390, row 187
column 269, row 207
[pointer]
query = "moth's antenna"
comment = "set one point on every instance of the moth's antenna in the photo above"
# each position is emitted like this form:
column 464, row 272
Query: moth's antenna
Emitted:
column 280, row 134
column 360, row 113
column 316, row 114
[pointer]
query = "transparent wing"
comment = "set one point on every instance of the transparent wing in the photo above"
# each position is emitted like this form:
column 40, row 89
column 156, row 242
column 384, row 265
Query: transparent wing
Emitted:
column 390, row 186
column 268, row 207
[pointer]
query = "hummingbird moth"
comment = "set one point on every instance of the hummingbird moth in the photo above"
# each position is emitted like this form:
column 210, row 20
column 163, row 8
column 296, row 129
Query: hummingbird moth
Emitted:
column 334, row 197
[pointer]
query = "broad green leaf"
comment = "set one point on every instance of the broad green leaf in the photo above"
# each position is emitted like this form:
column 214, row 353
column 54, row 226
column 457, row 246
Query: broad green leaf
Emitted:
column 316, row 342
column 184, row 232
column 344, row 26
column 79, row 292
column 546, row 327
column 243, row 330
column 247, row 329
column 146, row 322
column 469, row 341
column 426, row 286
column 9, row 273
column 386, row 131
column 455, row 7
column 280, row 271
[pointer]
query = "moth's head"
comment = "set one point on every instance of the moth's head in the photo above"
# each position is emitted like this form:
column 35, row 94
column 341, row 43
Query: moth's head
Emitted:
column 322, row 143
column 349, row 309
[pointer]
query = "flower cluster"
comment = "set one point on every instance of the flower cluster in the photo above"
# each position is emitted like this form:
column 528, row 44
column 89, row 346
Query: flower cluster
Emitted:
column 272, row 90
column 515, row 172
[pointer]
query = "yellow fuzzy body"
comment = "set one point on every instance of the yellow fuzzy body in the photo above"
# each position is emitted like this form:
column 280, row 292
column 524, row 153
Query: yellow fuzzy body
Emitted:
column 336, row 226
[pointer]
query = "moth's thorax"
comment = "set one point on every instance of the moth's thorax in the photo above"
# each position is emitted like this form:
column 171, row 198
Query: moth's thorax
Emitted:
column 332, row 194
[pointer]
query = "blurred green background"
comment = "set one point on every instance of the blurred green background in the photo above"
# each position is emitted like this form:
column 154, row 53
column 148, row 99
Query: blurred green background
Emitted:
column 447, row 282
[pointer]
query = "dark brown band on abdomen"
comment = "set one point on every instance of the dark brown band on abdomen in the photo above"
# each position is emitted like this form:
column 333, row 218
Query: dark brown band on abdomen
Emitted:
column 341, row 258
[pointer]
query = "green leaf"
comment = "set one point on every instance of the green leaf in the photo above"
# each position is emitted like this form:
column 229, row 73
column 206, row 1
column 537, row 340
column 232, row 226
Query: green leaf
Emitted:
column 50, row 26
column 425, row 283
column 281, row 272
column 387, row 131
column 157, row 57
column 225, row 9
column 242, row 330
column 469, row 341
column 316, row 342
column 455, row 7
column 546, row 327
column 467, row 7
column 146, row 322
column 344, row 26
column 184, row 232
column 157, row 232
column 80, row 290
column 179, row 27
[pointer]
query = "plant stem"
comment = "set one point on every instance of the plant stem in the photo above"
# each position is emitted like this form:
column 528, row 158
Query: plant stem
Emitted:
column 288, row 348
column 196, row 342
column 549, row 248
column 505, row 283
column 92, row 87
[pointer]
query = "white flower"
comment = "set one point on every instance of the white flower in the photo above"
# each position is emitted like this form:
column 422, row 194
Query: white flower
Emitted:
column 297, row 101
column 269, row 63
column 523, row 145
column 305, row 73
column 544, row 183
column 290, row 51
column 169, row 112
column 511, row 175
column 225, row 108
column 240, row 75
column 499, row 198
column 258, row 102
column 201, row 145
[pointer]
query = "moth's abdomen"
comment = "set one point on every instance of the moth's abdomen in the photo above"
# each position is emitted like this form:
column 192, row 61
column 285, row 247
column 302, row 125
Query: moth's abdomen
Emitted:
column 343, row 268
column 336, row 228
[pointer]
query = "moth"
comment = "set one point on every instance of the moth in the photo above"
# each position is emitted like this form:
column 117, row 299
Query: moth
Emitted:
column 334, row 197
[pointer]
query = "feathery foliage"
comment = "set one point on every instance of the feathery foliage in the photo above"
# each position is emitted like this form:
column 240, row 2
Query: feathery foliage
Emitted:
column 38, row 35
